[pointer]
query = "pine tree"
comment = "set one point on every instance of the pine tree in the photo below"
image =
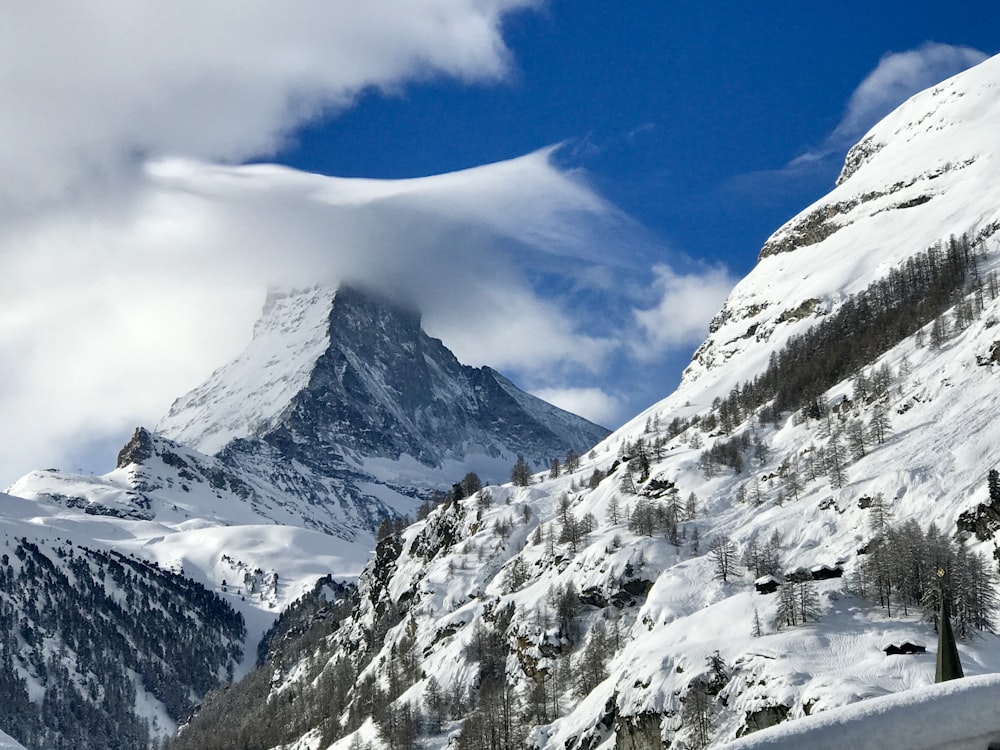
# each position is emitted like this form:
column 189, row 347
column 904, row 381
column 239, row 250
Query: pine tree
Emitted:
column 471, row 484
column 435, row 704
column 879, row 515
column 691, row 507
column 595, row 478
column 879, row 426
column 836, row 462
column 793, row 482
column 697, row 715
column 808, row 601
column 590, row 668
column 939, row 332
column 614, row 509
column 993, row 484
column 520, row 475
column 788, row 611
column 856, row 439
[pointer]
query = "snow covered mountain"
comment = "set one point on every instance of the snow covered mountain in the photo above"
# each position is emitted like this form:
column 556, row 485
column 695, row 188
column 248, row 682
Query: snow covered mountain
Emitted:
column 341, row 413
column 743, row 553
column 343, row 372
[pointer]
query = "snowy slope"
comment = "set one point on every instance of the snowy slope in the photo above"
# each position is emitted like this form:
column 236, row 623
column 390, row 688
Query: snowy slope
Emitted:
column 927, row 171
column 341, row 413
column 247, row 396
column 957, row 715
column 506, row 562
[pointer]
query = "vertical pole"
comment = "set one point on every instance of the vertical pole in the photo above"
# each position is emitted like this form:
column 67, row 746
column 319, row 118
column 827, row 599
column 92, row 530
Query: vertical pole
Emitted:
column 949, row 667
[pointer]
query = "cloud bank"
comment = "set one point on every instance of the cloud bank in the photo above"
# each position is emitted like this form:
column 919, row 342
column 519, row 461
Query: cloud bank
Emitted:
column 137, row 251
column 90, row 90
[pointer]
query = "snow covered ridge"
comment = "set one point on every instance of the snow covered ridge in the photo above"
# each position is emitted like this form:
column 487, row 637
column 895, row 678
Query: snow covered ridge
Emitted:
column 615, row 603
column 347, row 370
column 927, row 171
column 340, row 412
column 248, row 395
column 957, row 715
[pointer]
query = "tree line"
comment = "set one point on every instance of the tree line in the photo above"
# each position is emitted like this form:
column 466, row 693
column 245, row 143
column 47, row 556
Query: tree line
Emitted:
column 865, row 326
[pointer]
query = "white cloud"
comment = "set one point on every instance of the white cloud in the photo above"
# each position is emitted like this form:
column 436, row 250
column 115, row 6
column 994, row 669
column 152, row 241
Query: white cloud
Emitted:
column 109, row 314
column 897, row 77
column 89, row 90
column 685, row 306
column 134, row 262
column 592, row 403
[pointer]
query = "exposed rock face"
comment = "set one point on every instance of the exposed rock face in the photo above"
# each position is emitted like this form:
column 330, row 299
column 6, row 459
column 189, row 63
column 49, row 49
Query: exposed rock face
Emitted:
column 366, row 379
column 763, row 718
column 385, row 388
column 860, row 154
column 640, row 732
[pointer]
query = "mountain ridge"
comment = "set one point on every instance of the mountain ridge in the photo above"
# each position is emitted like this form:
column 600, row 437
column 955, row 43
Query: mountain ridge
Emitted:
column 617, row 605
column 718, row 565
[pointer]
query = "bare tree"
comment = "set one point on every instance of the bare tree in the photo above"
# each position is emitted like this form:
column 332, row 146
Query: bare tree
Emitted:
column 723, row 552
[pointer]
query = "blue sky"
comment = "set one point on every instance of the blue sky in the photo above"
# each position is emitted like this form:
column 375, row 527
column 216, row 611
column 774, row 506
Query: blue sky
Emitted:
column 137, row 245
column 665, row 105
column 686, row 116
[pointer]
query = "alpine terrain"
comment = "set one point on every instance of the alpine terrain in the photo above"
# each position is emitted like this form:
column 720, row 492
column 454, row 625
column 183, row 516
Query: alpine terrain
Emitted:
column 126, row 597
column 760, row 558
column 768, row 545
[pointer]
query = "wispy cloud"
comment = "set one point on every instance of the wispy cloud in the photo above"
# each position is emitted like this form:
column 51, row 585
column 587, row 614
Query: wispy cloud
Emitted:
column 592, row 403
column 110, row 315
column 136, row 252
column 897, row 77
column 685, row 303
column 90, row 91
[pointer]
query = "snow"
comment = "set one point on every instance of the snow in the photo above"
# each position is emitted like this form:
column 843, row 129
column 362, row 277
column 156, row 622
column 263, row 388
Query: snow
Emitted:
column 9, row 743
column 956, row 715
column 250, row 393
column 830, row 676
column 197, row 549
column 944, row 437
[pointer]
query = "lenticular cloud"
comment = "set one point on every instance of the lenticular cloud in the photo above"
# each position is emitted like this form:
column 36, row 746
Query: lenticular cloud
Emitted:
column 90, row 97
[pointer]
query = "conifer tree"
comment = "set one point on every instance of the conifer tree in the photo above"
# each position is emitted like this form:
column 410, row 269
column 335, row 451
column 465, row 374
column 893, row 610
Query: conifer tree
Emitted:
column 520, row 475
column 836, row 462
column 993, row 484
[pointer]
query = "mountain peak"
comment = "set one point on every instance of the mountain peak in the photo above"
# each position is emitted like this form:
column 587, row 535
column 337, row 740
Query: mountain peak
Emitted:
column 348, row 369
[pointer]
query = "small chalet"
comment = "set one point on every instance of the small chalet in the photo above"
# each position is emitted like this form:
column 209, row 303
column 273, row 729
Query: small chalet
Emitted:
column 907, row 648
column 799, row 575
column 766, row 584
column 826, row 572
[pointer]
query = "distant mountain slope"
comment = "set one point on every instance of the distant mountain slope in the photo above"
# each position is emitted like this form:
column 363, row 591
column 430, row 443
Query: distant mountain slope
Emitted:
column 729, row 561
column 330, row 371
column 100, row 649
column 340, row 414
